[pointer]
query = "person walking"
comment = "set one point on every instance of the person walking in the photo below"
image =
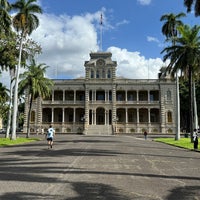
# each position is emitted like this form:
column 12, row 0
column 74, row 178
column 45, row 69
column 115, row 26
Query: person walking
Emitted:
column 195, row 139
column 145, row 135
column 50, row 136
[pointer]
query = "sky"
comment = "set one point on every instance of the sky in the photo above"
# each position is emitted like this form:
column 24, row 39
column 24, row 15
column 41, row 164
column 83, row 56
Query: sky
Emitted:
column 131, row 30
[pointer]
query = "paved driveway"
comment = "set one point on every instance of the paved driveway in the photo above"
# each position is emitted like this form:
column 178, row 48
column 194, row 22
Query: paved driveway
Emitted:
column 99, row 168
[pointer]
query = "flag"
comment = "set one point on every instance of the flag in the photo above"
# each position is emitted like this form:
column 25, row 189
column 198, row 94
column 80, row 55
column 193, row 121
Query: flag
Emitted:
column 101, row 19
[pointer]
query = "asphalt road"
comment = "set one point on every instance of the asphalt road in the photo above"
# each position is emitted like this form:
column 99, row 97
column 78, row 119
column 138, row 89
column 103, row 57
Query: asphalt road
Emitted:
column 99, row 168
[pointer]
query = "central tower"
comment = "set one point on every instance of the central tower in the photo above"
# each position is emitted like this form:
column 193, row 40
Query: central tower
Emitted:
column 100, row 91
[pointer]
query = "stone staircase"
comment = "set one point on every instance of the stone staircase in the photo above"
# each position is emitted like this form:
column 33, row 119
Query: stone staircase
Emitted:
column 99, row 130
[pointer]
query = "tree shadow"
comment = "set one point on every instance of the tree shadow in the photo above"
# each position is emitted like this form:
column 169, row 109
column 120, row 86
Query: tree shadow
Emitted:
column 93, row 191
column 28, row 196
column 185, row 193
column 83, row 191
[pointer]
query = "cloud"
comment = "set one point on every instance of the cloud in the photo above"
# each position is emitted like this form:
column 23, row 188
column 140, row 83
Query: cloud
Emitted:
column 133, row 65
column 67, row 41
column 144, row 2
column 152, row 39
column 122, row 22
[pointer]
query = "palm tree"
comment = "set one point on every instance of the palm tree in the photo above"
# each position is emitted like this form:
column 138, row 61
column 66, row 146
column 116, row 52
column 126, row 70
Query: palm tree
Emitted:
column 5, row 19
column 196, row 3
column 35, row 85
column 25, row 21
column 169, row 29
column 185, row 56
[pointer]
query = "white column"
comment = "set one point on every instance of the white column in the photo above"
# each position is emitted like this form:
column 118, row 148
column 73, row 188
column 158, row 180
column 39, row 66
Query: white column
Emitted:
column 126, row 115
column 149, row 116
column 74, row 117
column 63, row 115
column 95, row 115
column 105, row 117
column 52, row 115
column 138, row 115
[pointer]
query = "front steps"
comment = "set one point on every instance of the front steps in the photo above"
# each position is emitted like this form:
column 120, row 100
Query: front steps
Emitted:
column 99, row 130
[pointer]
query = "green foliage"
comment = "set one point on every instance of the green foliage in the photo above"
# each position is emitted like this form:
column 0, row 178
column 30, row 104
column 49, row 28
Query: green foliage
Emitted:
column 9, row 50
column 8, row 142
column 3, row 101
column 190, row 3
column 26, row 20
column 184, row 102
column 183, row 142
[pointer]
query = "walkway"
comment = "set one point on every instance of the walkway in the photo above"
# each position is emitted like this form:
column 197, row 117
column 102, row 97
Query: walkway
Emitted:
column 99, row 168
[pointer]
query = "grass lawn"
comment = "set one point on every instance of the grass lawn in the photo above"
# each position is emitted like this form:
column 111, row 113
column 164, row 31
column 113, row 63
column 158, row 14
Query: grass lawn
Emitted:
column 7, row 141
column 183, row 142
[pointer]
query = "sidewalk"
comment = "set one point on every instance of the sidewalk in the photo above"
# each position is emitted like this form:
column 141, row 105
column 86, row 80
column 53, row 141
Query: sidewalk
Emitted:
column 99, row 168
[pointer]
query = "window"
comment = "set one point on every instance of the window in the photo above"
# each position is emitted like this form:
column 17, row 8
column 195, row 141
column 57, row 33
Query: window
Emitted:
column 100, row 95
column 97, row 74
column 169, row 95
column 103, row 74
column 154, row 95
column 92, row 74
column 169, row 117
column 32, row 116
column 109, row 74
column 143, row 96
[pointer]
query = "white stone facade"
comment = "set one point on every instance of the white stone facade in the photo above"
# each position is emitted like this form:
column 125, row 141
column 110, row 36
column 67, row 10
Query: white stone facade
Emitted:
column 102, row 103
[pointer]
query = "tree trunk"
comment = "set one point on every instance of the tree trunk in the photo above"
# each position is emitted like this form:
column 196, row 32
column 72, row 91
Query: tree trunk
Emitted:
column 191, row 114
column 15, row 102
column 29, row 116
column 196, row 125
column 9, row 111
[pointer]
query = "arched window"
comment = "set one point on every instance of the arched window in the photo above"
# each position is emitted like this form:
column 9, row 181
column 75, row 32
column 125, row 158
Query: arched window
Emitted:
column 97, row 74
column 92, row 74
column 103, row 74
column 169, row 117
column 109, row 73
column 32, row 116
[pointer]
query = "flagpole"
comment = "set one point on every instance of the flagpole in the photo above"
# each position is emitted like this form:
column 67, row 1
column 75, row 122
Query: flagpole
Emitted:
column 101, row 32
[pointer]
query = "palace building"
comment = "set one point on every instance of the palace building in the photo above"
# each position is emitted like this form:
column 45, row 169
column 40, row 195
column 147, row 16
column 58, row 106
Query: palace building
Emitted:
column 102, row 103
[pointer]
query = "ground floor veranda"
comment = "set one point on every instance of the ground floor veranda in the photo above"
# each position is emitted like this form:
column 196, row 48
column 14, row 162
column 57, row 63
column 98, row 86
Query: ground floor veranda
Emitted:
column 127, row 120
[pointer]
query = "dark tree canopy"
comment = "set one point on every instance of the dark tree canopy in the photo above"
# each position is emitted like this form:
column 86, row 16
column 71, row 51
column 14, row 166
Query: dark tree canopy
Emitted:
column 190, row 3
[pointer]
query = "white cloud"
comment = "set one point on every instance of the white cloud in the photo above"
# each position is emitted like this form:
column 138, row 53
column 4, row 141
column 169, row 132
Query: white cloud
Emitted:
column 144, row 2
column 152, row 39
column 133, row 65
column 67, row 41
column 122, row 22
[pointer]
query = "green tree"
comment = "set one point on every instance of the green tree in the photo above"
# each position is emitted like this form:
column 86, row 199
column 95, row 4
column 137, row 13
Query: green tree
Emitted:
column 169, row 29
column 3, row 101
column 190, row 3
column 25, row 21
column 35, row 84
column 5, row 19
column 185, row 56
column 9, row 54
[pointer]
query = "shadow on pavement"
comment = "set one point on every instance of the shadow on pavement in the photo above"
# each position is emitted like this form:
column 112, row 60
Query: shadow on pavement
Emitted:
column 185, row 193
column 82, row 191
